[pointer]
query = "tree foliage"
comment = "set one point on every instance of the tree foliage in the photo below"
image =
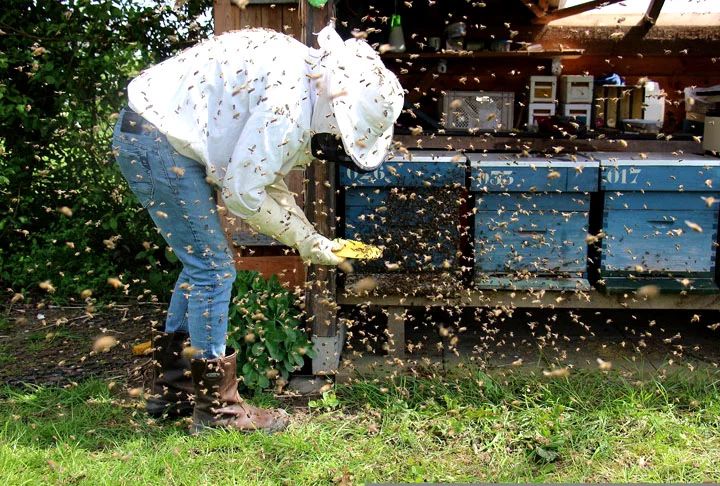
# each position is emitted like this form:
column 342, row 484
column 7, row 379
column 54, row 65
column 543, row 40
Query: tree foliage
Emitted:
column 67, row 219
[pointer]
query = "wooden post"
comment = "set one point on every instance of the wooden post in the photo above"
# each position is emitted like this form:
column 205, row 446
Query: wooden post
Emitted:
column 252, row 251
column 320, row 203
column 222, row 13
column 320, row 304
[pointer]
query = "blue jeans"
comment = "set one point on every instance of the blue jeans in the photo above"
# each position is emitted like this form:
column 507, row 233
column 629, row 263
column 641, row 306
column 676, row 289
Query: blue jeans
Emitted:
column 182, row 204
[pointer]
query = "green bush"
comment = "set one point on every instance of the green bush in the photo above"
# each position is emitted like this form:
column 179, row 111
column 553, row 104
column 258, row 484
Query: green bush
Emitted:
column 66, row 214
column 266, row 328
column 93, row 234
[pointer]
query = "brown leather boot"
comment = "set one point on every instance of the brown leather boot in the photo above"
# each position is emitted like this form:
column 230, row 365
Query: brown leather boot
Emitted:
column 171, row 383
column 218, row 403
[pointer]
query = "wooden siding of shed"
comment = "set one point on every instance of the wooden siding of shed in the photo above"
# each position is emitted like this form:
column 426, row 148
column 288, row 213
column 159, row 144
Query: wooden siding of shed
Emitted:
column 282, row 17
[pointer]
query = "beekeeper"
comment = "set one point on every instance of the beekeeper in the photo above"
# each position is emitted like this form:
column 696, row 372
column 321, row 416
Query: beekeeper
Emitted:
column 236, row 113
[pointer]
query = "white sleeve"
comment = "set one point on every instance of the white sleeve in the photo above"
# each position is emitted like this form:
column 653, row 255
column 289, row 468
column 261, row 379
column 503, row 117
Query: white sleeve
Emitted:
column 279, row 191
column 269, row 138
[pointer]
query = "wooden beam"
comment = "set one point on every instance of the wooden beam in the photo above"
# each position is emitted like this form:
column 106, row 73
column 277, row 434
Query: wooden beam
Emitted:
column 570, row 11
column 321, row 285
column 396, row 331
column 495, row 143
column 222, row 13
column 638, row 32
column 652, row 13
column 536, row 9
column 550, row 299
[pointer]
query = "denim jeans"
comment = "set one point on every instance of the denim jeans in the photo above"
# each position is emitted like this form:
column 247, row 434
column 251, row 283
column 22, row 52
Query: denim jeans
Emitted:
column 182, row 204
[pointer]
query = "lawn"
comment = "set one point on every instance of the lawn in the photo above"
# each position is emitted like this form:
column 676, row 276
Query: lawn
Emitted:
column 467, row 426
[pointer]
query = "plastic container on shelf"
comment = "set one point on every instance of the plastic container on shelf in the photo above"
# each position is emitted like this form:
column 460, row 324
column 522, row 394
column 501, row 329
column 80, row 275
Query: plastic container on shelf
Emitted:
column 500, row 45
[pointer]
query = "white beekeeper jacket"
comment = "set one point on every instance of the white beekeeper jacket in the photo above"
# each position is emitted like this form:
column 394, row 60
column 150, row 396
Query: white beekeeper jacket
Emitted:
column 240, row 103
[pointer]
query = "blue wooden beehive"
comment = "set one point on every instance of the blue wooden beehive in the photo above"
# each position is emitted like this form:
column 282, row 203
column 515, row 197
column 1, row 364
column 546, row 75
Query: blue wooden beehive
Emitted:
column 660, row 217
column 531, row 220
column 412, row 207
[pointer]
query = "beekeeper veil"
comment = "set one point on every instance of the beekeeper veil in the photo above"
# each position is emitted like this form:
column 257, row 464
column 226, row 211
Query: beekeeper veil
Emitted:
column 358, row 98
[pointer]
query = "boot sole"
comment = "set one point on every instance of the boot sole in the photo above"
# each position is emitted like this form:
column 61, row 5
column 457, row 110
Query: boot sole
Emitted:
column 198, row 430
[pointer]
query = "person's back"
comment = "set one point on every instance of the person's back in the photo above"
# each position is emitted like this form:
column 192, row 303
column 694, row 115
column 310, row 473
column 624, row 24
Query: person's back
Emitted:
column 203, row 98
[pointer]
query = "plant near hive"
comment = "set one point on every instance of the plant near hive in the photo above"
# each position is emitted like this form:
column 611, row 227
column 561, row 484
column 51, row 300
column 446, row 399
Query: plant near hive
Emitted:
column 265, row 327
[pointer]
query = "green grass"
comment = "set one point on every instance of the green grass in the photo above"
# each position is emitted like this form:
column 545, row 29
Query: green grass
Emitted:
column 6, row 354
column 469, row 427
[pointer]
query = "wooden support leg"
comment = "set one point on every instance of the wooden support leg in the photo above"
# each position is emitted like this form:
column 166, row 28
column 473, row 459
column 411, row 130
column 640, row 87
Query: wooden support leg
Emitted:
column 320, row 202
column 328, row 350
column 396, row 332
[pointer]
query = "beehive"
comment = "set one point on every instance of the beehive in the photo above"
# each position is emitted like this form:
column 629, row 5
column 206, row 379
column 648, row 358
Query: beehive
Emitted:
column 543, row 89
column 411, row 207
column 582, row 112
column 576, row 89
column 538, row 111
column 660, row 221
column 616, row 103
column 531, row 220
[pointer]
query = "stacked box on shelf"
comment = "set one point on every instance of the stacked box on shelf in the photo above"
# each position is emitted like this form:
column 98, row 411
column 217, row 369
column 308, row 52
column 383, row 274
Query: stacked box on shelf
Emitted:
column 478, row 110
column 696, row 107
column 581, row 112
column 412, row 207
column 615, row 103
column 576, row 89
column 660, row 217
column 531, row 220
column 543, row 91
column 538, row 111
column 576, row 95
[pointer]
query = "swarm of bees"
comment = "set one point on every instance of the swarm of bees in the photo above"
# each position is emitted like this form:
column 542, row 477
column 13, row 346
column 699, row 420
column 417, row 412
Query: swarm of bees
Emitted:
column 431, row 296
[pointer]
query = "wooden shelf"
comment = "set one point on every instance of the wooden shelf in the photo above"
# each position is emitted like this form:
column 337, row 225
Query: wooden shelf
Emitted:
column 551, row 299
column 536, row 143
column 417, row 290
column 395, row 304
column 571, row 54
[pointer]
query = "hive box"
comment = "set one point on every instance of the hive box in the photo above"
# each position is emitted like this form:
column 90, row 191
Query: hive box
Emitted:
column 660, row 221
column 581, row 112
column 531, row 220
column 543, row 89
column 538, row 111
column 411, row 207
column 576, row 89
column 616, row 103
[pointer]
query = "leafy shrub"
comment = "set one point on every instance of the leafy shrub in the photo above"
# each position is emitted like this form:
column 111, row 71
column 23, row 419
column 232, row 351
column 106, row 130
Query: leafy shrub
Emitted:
column 100, row 233
column 66, row 214
column 266, row 328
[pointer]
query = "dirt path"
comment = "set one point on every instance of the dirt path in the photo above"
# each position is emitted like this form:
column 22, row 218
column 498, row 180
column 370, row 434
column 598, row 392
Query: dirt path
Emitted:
column 45, row 344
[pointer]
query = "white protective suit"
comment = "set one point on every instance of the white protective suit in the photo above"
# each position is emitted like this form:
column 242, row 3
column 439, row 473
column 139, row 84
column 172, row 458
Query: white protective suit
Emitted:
column 241, row 104
column 246, row 103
